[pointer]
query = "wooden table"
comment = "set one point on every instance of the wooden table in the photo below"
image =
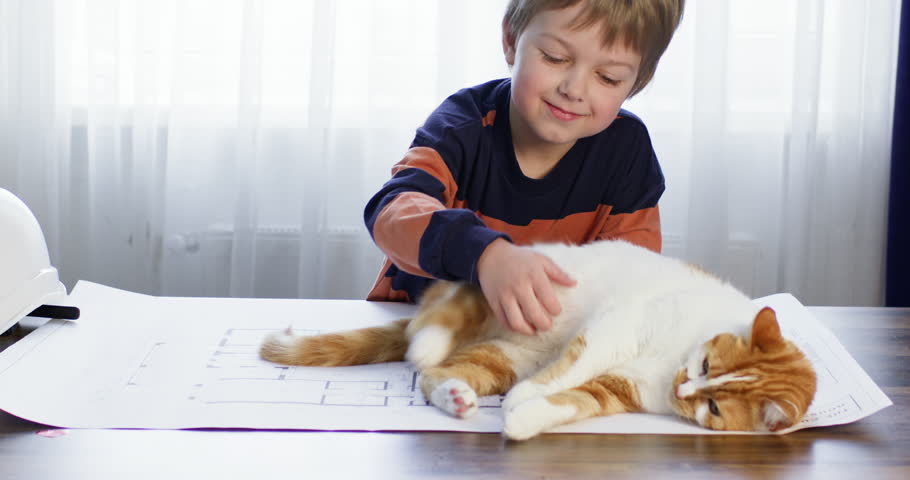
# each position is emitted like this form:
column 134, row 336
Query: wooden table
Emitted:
column 874, row 448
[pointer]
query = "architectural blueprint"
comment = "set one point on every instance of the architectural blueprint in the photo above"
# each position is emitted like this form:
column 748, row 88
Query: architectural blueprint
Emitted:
column 137, row 361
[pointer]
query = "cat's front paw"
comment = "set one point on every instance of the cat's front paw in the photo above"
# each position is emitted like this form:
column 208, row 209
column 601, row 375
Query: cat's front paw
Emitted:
column 455, row 398
column 429, row 347
column 522, row 392
column 533, row 416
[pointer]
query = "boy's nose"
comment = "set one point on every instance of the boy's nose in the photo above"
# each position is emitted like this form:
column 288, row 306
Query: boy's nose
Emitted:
column 572, row 87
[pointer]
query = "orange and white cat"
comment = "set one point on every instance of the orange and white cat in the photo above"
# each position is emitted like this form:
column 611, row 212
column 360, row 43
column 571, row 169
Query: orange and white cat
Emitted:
column 639, row 332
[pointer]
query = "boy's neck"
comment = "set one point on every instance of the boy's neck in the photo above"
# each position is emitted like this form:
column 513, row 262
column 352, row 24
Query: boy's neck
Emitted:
column 535, row 163
column 535, row 158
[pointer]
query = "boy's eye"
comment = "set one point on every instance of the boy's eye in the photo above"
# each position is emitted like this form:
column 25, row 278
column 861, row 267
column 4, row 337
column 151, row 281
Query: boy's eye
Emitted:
column 608, row 80
column 712, row 406
column 550, row 58
column 705, row 366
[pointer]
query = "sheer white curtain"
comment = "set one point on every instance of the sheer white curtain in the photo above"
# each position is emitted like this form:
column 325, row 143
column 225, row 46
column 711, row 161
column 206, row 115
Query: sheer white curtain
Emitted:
column 773, row 122
column 227, row 147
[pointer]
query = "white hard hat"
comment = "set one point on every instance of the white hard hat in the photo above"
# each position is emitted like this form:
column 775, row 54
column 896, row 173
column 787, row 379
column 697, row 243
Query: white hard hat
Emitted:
column 27, row 279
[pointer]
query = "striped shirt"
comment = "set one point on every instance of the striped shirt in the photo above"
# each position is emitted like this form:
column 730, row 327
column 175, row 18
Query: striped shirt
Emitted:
column 459, row 187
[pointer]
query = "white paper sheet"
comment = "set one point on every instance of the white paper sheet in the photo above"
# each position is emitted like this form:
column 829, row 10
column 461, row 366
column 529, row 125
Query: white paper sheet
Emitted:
column 136, row 361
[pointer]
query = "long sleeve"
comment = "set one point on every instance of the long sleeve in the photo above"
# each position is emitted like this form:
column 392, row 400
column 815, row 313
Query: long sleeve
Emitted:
column 416, row 221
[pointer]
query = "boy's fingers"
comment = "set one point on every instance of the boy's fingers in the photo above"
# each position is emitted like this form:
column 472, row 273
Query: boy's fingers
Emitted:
column 515, row 320
column 500, row 314
column 557, row 275
column 533, row 312
column 548, row 299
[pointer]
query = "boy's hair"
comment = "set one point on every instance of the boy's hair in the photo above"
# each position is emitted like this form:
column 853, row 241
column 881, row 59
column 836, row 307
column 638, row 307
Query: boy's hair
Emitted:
column 645, row 26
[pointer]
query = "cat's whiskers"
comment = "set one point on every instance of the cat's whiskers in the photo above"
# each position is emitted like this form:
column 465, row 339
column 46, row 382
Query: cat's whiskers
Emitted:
column 694, row 385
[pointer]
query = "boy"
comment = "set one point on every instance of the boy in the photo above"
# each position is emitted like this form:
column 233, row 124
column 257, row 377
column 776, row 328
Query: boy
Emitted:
column 545, row 156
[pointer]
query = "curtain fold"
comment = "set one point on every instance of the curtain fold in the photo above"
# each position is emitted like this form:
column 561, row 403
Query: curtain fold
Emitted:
column 226, row 148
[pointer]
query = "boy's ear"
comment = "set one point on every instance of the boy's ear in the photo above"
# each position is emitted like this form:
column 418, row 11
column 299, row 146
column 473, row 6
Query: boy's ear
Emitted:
column 508, row 44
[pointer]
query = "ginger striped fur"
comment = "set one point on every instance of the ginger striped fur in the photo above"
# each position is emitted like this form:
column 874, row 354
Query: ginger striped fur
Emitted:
column 356, row 347
column 640, row 332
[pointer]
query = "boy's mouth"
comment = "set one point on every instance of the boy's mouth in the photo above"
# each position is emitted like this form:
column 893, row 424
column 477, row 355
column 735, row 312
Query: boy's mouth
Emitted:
column 562, row 114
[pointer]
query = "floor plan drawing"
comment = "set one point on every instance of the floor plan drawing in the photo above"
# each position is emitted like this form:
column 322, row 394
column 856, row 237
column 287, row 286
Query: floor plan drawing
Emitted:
column 234, row 373
column 137, row 361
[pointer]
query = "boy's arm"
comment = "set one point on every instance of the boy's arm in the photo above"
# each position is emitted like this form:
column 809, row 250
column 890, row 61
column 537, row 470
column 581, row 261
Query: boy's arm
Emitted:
column 412, row 220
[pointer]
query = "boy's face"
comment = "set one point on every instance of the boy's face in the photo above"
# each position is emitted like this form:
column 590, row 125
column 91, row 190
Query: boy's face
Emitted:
column 565, row 84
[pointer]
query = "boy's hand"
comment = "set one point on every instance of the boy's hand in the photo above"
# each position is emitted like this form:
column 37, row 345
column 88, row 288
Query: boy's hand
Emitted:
column 518, row 284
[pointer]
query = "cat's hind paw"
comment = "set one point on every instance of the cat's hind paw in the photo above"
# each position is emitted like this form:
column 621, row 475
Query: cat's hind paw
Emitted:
column 455, row 398
column 532, row 417
column 429, row 347
column 522, row 392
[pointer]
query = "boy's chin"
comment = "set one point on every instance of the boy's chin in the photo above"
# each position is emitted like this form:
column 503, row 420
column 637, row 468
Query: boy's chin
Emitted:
column 560, row 134
column 558, row 137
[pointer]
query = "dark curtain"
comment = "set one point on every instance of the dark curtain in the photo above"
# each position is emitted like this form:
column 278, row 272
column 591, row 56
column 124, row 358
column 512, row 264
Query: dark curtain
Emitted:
column 897, row 281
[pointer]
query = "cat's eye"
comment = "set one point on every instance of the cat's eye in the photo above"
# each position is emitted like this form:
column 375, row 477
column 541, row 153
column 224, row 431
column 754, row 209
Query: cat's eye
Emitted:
column 704, row 366
column 712, row 406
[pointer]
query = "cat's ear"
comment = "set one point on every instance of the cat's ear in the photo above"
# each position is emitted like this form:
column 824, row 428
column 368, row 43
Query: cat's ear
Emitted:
column 766, row 335
column 774, row 417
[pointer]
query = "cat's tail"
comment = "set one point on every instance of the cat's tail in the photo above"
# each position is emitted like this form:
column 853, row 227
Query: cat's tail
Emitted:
column 386, row 343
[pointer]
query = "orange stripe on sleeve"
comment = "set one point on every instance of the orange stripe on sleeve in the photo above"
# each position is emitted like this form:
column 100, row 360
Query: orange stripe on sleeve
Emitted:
column 400, row 226
column 428, row 160
column 401, row 223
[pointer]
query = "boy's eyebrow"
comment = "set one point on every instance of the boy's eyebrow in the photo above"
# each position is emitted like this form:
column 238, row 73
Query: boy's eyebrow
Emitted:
column 568, row 46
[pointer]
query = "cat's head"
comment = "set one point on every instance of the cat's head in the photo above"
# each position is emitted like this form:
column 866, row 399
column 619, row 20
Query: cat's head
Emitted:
column 761, row 383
